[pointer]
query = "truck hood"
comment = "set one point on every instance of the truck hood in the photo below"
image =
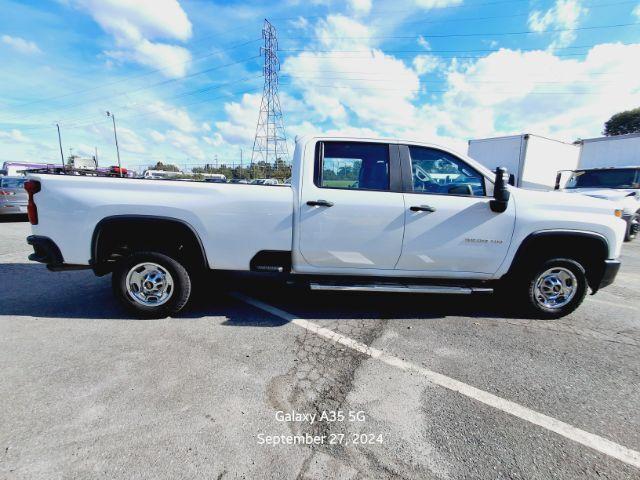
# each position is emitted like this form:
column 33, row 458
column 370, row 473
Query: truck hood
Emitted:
column 563, row 201
column 615, row 194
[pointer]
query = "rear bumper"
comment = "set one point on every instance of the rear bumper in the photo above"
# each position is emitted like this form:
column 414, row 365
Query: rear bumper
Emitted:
column 46, row 251
column 609, row 273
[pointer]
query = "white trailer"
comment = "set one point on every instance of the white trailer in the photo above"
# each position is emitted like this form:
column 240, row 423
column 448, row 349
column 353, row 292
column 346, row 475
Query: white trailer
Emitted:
column 614, row 151
column 533, row 160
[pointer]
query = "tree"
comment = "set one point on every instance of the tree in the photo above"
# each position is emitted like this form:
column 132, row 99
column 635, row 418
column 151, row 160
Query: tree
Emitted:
column 623, row 122
column 166, row 167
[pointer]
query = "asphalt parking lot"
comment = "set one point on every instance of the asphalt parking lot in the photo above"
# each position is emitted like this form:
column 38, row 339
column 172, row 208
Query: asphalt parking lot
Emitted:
column 88, row 392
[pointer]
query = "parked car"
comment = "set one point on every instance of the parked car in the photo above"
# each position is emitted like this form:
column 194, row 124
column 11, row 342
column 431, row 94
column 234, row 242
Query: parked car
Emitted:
column 360, row 215
column 265, row 181
column 619, row 184
column 13, row 197
column 215, row 178
column 238, row 180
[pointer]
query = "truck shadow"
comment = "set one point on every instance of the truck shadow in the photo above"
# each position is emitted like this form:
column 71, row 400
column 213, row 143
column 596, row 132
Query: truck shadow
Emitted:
column 29, row 289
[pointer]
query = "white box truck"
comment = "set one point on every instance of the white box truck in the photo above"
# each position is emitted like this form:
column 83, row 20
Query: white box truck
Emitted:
column 615, row 151
column 533, row 160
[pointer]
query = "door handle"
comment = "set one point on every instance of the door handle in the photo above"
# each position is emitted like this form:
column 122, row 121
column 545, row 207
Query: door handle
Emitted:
column 422, row 208
column 319, row 203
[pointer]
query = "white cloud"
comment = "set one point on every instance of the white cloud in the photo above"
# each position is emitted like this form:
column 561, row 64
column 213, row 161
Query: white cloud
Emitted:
column 424, row 43
column 437, row 3
column 14, row 136
column 301, row 23
column 360, row 6
column 206, row 127
column 128, row 140
column 20, row 44
column 187, row 144
column 178, row 118
column 135, row 24
column 512, row 92
column 240, row 125
column 214, row 141
column 156, row 136
column 423, row 64
column 335, row 86
column 636, row 11
column 565, row 14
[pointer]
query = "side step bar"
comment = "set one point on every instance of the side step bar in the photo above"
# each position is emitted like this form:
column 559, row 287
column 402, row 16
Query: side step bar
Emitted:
column 399, row 288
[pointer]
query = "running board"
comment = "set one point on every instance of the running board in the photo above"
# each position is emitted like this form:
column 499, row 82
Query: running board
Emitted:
column 399, row 288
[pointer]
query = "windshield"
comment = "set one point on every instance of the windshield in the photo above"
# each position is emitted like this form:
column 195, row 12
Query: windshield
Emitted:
column 614, row 178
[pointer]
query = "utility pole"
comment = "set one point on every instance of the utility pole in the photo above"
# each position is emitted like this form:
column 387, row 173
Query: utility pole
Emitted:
column 96, row 156
column 60, row 143
column 115, row 135
column 270, row 141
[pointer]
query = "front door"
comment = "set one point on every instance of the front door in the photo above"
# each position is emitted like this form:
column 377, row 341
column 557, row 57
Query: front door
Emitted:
column 350, row 216
column 449, row 226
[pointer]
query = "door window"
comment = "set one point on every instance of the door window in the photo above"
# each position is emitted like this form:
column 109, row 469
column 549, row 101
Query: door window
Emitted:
column 437, row 172
column 353, row 166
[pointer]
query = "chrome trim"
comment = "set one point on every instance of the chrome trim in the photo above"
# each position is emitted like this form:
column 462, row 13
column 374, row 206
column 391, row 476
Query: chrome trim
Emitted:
column 398, row 288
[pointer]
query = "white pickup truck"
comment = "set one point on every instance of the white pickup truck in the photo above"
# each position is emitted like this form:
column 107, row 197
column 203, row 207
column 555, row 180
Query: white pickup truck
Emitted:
column 360, row 214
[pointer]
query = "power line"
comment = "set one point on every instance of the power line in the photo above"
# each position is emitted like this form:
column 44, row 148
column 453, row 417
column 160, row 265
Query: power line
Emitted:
column 446, row 91
column 478, row 34
column 488, row 50
column 164, row 82
column 133, row 77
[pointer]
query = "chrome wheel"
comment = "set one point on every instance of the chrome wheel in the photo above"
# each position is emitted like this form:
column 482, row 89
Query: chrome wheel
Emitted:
column 556, row 287
column 149, row 284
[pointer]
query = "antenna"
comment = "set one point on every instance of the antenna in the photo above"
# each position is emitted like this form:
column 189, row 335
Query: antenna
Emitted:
column 270, row 142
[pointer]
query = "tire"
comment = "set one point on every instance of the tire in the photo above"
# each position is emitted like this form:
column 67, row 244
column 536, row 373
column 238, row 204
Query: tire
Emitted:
column 632, row 231
column 151, row 285
column 562, row 274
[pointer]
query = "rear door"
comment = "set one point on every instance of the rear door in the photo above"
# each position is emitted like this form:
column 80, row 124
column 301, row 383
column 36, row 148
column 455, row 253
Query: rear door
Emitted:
column 352, row 213
column 449, row 225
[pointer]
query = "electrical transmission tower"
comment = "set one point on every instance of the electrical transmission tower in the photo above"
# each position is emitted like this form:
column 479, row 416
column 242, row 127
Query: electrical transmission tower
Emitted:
column 270, row 143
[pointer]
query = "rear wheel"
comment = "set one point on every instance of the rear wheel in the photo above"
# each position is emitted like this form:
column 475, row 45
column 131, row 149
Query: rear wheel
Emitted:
column 151, row 284
column 555, row 288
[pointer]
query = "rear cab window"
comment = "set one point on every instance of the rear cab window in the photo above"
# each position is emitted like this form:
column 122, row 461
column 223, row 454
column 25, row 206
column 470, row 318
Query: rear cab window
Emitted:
column 353, row 166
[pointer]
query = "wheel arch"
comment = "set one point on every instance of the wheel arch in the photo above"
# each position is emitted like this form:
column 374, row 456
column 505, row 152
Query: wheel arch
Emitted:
column 110, row 233
column 590, row 249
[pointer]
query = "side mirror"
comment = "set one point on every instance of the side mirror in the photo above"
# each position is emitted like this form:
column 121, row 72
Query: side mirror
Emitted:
column 500, row 192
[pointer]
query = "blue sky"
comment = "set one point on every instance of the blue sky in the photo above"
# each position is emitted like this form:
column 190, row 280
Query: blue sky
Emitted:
column 184, row 82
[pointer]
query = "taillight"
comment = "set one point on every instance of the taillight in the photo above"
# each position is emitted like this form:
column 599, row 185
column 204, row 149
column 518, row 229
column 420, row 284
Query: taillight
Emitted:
column 6, row 192
column 32, row 187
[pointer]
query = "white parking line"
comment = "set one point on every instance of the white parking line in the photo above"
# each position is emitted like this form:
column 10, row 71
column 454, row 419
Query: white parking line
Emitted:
column 600, row 444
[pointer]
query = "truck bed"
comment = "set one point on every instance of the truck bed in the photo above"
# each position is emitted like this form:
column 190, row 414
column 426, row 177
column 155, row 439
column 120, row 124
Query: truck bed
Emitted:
column 233, row 221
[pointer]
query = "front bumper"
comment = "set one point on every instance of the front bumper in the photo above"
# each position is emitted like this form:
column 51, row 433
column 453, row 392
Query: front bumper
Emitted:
column 46, row 251
column 609, row 273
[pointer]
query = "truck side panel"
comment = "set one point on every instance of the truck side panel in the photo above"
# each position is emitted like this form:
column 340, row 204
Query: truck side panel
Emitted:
column 234, row 222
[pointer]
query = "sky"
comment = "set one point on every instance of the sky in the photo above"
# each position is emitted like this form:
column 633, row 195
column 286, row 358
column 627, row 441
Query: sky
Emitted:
column 184, row 78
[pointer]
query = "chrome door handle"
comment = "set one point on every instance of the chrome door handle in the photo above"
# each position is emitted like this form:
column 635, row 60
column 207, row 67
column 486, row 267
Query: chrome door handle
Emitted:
column 319, row 203
column 422, row 208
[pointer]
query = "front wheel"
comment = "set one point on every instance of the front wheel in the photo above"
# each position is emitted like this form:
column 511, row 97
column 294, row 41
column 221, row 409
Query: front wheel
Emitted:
column 633, row 228
column 151, row 284
column 555, row 288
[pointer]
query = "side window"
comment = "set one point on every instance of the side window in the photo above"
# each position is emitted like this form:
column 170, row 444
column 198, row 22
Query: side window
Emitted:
column 435, row 171
column 353, row 165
